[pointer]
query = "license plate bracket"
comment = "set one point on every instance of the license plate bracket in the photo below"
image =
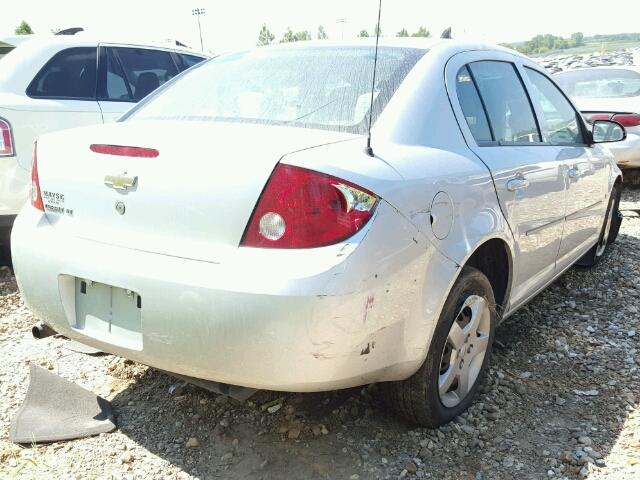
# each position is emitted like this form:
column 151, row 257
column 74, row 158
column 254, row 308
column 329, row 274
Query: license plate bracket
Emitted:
column 109, row 314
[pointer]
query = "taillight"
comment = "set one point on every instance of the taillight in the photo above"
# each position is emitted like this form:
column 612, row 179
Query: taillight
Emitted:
column 6, row 140
column 124, row 151
column 36, row 196
column 627, row 119
column 300, row 208
column 592, row 117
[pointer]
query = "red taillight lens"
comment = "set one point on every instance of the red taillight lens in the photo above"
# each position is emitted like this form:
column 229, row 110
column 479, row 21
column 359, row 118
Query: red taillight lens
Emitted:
column 6, row 141
column 124, row 151
column 592, row 117
column 300, row 208
column 36, row 196
column 627, row 119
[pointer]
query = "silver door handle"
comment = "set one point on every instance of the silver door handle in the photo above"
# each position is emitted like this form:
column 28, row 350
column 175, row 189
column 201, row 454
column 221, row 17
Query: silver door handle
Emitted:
column 573, row 172
column 517, row 183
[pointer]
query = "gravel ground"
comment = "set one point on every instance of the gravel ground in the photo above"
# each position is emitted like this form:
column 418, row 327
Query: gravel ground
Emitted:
column 560, row 402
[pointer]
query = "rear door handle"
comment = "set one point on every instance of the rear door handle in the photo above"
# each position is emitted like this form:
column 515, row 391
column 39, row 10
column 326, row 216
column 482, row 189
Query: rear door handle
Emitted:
column 517, row 183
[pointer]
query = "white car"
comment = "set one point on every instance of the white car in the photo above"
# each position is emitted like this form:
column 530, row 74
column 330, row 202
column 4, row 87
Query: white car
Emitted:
column 609, row 93
column 241, row 226
column 50, row 83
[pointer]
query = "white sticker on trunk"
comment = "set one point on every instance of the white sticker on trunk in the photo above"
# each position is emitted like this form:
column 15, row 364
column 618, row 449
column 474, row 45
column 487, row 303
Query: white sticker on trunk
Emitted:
column 54, row 203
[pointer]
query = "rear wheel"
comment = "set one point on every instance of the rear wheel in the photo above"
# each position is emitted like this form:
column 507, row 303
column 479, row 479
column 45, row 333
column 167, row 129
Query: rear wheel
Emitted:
column 458, row 357
column 609, row 232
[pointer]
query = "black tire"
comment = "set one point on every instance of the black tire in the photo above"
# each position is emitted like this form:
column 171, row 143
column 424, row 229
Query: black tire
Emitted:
column 5, row 250
column 593, row 256
column 631, row 177
column 617, row 214
column 417, row 398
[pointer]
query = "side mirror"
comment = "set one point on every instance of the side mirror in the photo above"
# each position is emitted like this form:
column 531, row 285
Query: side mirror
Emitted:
column 607, row 131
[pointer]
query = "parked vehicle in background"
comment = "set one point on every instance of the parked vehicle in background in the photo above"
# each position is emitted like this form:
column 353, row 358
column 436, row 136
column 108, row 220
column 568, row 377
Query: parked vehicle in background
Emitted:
column 609, row 93
column 51, row 83
column 234, row 227
column 9, row 43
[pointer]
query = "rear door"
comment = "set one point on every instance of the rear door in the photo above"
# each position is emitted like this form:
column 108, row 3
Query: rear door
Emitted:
column 499, row 124
column 128, row 74
column 586, row 175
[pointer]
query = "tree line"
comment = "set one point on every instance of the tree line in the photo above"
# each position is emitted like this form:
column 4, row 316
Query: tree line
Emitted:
column 266, row 37
column 548, row 42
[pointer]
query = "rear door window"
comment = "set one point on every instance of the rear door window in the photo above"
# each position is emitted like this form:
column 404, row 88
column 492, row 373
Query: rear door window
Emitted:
column 559, row 121
column 474, row 112
column 113, row 85
column 508, row 107
column 134, row 73
column 70, row 74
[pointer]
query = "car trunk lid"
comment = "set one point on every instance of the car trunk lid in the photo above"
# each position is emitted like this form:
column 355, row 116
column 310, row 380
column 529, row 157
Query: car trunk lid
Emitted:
column 192, row 200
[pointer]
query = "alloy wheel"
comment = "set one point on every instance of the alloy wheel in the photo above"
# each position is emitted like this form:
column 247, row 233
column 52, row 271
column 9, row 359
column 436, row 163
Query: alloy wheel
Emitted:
column 464, row 351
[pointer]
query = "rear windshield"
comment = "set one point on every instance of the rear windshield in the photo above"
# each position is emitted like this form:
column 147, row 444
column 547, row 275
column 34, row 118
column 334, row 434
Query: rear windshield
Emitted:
column 314, row 87
column 596, row 83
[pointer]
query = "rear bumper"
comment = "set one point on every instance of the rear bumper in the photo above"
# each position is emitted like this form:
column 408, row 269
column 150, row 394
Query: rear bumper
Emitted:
column 310, row 320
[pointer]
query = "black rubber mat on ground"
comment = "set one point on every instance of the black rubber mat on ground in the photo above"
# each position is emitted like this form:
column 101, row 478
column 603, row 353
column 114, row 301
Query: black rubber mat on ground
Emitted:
column 56, row 409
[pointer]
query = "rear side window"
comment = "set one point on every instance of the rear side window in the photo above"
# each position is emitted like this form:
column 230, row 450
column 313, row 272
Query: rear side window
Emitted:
column 560, row 123
column 70, row 74
column 141, row 71
column 508, row 107
column 188, row 61
column 113, row 83
column 472, row 107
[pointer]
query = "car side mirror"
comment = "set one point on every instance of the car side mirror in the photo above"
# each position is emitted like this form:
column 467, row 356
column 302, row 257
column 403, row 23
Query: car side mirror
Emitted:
column 607, row 131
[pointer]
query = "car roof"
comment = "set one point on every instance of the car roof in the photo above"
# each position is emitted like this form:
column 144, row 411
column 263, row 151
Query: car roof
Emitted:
column 444, row 47
column 86, row 39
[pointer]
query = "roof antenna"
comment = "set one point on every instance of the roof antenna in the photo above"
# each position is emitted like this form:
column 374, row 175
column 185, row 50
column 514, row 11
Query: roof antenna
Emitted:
column 368, row 150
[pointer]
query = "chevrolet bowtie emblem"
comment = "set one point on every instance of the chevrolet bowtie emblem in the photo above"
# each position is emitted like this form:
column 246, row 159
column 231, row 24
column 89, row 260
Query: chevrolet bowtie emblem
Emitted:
column 120, row 182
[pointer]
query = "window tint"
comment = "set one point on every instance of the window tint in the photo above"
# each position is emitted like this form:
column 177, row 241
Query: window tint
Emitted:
column 472, row 107
column 188, row 61
column 559, row 123
column 143, row 71
column 70, row 73
column 508, row 106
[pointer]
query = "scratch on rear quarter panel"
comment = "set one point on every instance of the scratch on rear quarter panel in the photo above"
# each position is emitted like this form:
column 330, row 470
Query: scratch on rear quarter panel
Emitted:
column 367, row 306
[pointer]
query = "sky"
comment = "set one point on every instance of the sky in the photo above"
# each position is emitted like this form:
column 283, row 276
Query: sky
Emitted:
column 234, row 25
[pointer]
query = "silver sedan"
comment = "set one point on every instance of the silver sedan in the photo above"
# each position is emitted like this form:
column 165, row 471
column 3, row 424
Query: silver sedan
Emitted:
column 241, row 226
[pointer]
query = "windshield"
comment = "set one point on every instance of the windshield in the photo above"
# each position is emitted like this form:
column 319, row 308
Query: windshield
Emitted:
column 314, row 87
column 596, row 83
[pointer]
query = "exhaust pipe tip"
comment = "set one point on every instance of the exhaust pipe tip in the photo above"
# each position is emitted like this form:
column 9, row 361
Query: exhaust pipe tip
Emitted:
column 42, row 330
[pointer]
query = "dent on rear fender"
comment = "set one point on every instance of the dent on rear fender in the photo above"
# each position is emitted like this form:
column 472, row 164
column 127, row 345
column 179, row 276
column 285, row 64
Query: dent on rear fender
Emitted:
column 381, row 320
